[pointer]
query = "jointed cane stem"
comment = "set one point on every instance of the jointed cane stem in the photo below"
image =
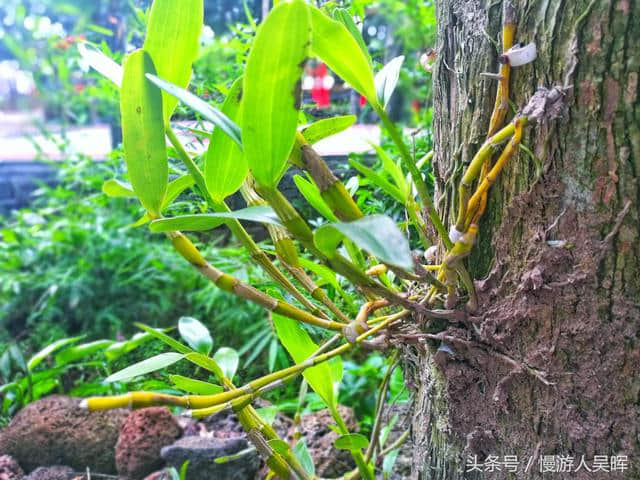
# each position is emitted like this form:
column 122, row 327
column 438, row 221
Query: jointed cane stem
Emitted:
column 473, row 170
column 502, row 94
column 288, row 255
column 332, row 190
column 232, row 285
column 144, row 399
column 504, row 157
column 234, row 225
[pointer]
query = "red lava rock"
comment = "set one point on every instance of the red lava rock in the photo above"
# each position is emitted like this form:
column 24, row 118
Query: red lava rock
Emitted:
column 9, row 468
column 142, row 436
column 56, row 431
column 329, row 461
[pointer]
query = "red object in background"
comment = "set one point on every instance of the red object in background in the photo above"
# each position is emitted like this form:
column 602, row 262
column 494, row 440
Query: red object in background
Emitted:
column 415, row 106
column 319, row 93
column 363, row 101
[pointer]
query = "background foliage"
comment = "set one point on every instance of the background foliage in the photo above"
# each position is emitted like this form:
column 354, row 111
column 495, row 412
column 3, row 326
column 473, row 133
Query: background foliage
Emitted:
column 68, row 268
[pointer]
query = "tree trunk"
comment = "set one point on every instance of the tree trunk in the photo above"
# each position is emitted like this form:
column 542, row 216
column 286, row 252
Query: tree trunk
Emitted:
column 557, row 259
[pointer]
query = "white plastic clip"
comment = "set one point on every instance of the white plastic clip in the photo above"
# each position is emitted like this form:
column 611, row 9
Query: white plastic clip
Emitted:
column 455, row 234
column 518, row 55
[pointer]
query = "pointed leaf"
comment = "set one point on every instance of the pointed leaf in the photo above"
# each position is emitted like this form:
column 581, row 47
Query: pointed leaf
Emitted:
column 378, row 180
column 387, row 79
column 225, row 166
column 389, row 462
column 210, row 113
column 279, row 446
column 116, row 188
column 393, row 169
column 191, row 385
column 272, row 90
column 300, row 346
column 80, row 351
column 303, row 455
column 176, row 187
column 195, row 334
column 376, row 234
column 146, row 366
column 268, row 413
column 101, row 63
column 312, row 195
column 143, row 132
column 228, row 359
column 345, row 18
column 37, row 358
column 208, row 221
column 164, row 338
column 326, row 127
column 173, row 34
column 335, row 45
column 117, row 349
column 205, row 362
column 351, row 441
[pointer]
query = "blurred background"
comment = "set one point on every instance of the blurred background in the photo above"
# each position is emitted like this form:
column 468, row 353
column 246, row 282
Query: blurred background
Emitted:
column 71, row 260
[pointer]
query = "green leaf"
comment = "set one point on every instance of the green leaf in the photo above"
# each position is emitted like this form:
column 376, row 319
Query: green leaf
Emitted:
column 205, row 362
column 176, row 187
column 387, row 79
column 164, row 338
column 279, row 446
column 18, row 357
column 303, row 455
column 345, row 18
column 389, row 462
column 228, row 359
column 268, row 414
column 149, row 365
column 225, row 166
column 351, row 441
column 101, row 63
column 210, row 113
column 337, row 47
column 378, row 180
column 326, row 275
column 326, row 127
column 117, row 349
column 235, row 456
column 272, row 90
column 116, row 188
column 312, row 195
column 37, row 358
column 393, row 169
column 191, row 385
column 143, row 133
column 80, row 351
column 173, row 37
column 376, row 234
column 208, row 221
column 300, row 346
column 195, row 334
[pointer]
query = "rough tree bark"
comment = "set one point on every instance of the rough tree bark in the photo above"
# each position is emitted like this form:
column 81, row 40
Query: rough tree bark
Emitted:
column 558, row 257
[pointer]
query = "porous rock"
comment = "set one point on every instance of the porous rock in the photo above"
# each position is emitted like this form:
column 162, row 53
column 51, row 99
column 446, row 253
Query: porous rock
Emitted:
column 201, row 453
column 56, row 431
column 142, row 436
column 328, row 460
column 9, row 468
